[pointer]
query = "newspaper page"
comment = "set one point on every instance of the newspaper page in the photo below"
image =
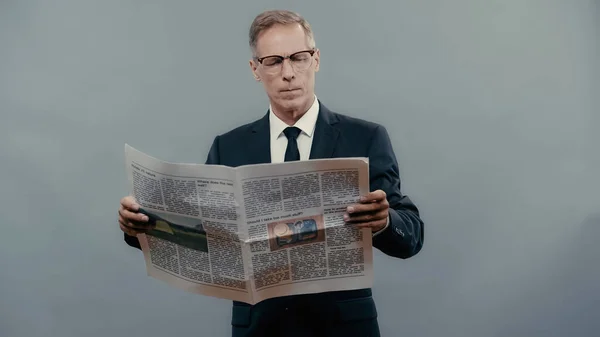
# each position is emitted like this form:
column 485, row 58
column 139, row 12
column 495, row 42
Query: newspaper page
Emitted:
column 253, row 232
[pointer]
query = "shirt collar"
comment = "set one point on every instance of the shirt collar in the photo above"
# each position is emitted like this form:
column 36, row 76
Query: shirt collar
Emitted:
column 306, row 123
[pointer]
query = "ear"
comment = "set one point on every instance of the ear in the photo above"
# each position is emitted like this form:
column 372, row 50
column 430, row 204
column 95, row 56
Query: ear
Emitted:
column 254, row 69
column 317, row 59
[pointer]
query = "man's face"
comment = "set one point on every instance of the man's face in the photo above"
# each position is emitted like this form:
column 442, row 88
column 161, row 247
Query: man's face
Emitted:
column 289, row 84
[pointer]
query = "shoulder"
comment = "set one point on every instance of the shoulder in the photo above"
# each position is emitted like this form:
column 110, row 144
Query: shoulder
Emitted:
column 238, row 131
column 234, row 137
column 244, row 129
column 353, row 124
column 346, row 120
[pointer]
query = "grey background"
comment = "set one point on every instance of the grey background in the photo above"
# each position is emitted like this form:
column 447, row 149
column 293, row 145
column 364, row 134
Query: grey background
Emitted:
column 492, row 107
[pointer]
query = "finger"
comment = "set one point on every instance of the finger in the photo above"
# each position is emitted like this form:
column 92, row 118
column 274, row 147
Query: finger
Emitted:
column 136, row 228
column 134, row 225
column 366, row 217
column 132, row 216
column 130, row 204
column 373, row 196
column 127, row 230
column 372, row 207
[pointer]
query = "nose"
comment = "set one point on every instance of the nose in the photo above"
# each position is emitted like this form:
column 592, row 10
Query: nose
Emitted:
column 287, row 71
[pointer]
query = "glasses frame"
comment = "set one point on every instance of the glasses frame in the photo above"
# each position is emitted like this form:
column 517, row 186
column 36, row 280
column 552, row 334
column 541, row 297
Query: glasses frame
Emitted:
column 283, row 58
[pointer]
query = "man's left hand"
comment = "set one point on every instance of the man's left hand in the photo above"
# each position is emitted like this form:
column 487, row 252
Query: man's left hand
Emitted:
column 372, row 211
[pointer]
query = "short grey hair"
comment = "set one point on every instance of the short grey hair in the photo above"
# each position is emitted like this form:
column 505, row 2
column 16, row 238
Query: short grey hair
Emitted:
column 270, row 18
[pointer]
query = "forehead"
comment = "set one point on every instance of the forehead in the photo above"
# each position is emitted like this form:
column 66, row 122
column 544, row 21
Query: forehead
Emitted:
column 282, row 40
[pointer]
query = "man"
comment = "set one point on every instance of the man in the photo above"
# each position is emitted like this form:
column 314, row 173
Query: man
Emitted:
column 298, row 126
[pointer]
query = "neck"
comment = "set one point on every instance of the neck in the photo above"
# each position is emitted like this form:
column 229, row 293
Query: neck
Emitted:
column 291, row 115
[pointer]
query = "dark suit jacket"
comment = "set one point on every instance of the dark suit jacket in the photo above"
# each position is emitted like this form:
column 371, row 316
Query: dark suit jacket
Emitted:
column 342, row 313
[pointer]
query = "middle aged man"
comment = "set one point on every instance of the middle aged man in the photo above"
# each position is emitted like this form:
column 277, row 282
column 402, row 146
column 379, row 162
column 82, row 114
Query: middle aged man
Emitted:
column 298, row 126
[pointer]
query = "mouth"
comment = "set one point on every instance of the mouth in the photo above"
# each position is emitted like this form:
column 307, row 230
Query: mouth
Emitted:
column 289, row 90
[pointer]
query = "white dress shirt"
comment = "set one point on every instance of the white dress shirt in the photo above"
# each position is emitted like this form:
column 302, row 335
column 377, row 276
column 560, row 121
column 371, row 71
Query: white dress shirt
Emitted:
column 307, row 126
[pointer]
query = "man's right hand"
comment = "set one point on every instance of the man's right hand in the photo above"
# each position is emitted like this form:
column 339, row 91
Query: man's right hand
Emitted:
column 130, row 221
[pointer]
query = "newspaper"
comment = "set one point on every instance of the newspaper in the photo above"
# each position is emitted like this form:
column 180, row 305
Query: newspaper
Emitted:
column 253, row 232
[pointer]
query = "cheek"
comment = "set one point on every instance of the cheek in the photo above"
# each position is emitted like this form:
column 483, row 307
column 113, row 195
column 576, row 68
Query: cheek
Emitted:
column 269, row 85
column 308, row 81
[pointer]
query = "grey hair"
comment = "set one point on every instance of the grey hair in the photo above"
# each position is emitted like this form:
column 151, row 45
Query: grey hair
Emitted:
column 270, row 18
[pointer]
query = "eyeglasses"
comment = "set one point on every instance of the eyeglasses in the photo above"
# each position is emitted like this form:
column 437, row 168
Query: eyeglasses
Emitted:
column 300, row 61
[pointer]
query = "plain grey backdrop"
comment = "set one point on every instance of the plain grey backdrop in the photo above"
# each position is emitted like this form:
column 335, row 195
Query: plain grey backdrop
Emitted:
column 492, row 107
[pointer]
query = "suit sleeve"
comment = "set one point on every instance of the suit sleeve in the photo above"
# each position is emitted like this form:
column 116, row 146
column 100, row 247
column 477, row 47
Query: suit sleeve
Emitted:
column 403, row 238
column 213, row 153
column 212, row 159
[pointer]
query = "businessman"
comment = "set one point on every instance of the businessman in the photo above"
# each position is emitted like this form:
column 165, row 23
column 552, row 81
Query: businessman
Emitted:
column 298, row 126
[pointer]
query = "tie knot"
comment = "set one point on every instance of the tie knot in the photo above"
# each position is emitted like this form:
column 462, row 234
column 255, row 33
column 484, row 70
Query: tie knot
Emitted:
column 291, row 132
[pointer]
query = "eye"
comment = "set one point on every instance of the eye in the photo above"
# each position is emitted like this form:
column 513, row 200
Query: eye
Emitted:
column 271, row 61
column 301, row 57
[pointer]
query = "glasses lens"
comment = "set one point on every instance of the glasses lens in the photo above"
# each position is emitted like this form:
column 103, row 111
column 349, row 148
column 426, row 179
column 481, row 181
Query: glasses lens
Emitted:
column 301, row 61
column 272, row 61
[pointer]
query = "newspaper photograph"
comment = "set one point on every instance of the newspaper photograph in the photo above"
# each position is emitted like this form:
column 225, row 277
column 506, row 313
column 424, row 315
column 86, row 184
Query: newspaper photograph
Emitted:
column 252, row 232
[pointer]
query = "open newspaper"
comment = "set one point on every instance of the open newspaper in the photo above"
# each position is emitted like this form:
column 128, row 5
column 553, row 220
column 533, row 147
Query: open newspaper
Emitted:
column 253, row 232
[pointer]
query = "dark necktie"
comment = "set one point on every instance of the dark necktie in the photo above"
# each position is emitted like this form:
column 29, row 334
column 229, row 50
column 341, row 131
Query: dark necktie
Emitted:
column 291, row 152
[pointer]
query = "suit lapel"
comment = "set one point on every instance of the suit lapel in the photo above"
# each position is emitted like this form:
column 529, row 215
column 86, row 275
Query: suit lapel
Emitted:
column 325, row 136
column 259, row 144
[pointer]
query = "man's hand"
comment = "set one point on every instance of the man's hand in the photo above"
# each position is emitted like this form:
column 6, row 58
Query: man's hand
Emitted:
column 372, row 211
column 130, row 221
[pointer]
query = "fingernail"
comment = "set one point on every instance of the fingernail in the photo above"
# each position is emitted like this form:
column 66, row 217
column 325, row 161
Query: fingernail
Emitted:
column 363, row 198
column 350, row 209
column 346, row 217
column 144, row 218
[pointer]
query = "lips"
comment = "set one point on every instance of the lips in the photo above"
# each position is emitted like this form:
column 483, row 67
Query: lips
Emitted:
column 289, row 90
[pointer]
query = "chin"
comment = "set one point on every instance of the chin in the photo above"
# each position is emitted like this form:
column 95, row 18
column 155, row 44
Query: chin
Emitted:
column 289, row 102
column 292, row 99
